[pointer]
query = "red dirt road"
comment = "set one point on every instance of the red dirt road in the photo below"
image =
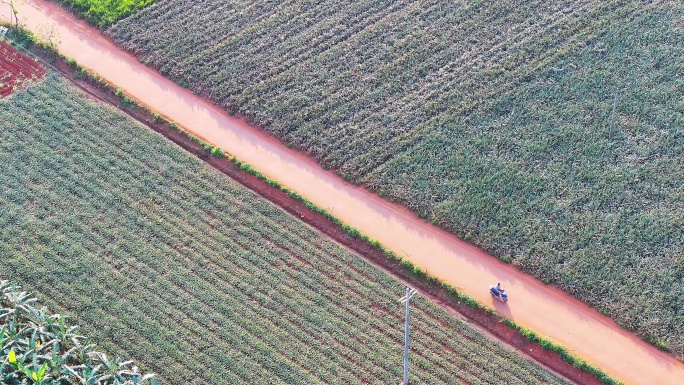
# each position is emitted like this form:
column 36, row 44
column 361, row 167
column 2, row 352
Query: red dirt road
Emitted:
column 549, row 311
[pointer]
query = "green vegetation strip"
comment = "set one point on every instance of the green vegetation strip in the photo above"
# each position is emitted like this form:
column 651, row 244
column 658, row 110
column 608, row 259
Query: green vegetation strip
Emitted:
column 103, row 13
column 493, row 120
column 202, row 281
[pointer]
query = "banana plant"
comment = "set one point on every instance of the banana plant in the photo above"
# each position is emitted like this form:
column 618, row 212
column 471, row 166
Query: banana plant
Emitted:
column 39, row 348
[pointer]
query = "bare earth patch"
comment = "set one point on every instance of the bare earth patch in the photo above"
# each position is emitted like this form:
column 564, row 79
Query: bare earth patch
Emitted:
column 17, row 69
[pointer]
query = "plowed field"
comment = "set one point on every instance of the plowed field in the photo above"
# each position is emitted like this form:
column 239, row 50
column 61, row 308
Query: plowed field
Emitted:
column 16, row 69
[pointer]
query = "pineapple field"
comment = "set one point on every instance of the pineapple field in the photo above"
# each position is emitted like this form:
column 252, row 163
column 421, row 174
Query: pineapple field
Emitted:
column 549, row 133
column 162, row 259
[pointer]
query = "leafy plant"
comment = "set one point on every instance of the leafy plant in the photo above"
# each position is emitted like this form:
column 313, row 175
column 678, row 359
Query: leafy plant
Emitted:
column 216, row 151
column 125, row 100
column 39, row 348
column 103, row 13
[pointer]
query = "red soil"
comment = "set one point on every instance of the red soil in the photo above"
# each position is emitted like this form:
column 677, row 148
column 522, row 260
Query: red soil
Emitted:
column 16, row 69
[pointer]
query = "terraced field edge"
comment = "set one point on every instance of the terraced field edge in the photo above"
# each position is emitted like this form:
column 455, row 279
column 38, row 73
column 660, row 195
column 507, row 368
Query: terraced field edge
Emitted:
column 542, row 350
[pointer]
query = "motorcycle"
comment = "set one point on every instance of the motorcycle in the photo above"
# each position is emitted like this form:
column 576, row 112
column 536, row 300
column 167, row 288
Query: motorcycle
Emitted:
column 498, row 294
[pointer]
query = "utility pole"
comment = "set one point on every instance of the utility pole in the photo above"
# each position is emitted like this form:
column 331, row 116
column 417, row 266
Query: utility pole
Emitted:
column 407, row 299
column 611, row 133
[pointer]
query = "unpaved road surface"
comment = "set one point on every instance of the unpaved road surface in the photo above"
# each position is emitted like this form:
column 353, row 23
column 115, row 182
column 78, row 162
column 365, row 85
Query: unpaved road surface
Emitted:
column 550, row 312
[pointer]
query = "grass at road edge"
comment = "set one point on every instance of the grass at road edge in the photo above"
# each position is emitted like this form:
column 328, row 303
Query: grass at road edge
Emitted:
column 25, row 39
column 102, row 13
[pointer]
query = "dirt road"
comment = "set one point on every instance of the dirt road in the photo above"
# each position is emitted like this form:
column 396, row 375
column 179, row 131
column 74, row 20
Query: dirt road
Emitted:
column 550, row 312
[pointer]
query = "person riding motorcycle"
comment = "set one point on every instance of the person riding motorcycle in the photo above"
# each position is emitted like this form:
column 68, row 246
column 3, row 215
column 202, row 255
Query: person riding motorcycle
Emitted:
column 500, row 290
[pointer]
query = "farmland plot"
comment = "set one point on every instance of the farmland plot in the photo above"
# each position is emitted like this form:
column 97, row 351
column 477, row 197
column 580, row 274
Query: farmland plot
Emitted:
column 166, row 261
column 17, row 70
column 491, row 119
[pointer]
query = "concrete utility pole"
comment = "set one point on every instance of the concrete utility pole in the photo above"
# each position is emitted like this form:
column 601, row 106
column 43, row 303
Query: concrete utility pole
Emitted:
column 407, row 299
column 611, row 133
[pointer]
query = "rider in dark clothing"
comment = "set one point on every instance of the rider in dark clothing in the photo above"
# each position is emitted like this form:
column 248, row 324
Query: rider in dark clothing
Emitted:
column 500, row 290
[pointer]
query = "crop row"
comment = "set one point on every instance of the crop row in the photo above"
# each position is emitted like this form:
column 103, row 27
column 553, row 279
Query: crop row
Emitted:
column 93, row 192
column 491, row 120
column 211, row 283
